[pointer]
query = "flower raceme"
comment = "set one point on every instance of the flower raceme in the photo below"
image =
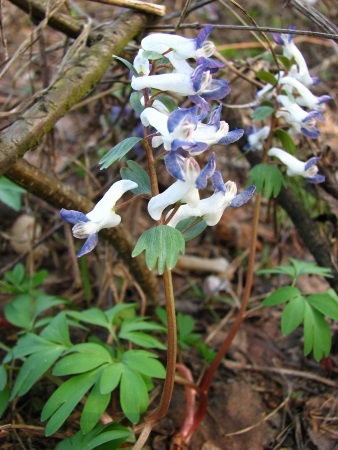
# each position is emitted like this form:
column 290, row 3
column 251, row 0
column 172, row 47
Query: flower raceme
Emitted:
column 212, row 208
column 295, row 167
column 183, row 129
column 87, row 226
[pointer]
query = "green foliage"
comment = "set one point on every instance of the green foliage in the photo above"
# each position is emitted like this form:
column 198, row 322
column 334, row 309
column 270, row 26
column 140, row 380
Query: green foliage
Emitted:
column 148, row 54
column 287, row 63
column 119, row 151
column 28, row 302
column 134, row 172
column 287, row 141
column 93, row 369
column 135, row 101
column 186, row 338
column 127, row 64
column 192, row 232
column 167, row 101
column 298, row 268
column 261, row 113
column 162, row 245
column 309, row 310
column 11, row 193
column 112, row 434
column 267, row 179
column 267, row 77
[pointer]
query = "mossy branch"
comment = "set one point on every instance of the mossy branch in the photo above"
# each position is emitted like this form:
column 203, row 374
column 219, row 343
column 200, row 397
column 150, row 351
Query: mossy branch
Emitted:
column 25, row 133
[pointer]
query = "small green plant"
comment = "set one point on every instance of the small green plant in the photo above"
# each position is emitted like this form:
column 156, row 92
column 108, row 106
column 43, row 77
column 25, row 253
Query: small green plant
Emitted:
column 309, row 310
column 94, row 369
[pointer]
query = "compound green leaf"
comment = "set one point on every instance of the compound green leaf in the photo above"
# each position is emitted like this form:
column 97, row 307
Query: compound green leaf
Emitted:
column 162, row 245
column 267, row 179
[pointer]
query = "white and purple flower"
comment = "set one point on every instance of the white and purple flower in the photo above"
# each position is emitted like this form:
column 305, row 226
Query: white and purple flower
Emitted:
column 295, row 167
column 183, row 129
column 256, row 137
column 190, row 178
column 301, row 121
column 87, row 226
column 212, row 208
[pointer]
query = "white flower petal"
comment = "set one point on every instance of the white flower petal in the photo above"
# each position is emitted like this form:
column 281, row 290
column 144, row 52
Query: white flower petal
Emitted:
column 294, row 165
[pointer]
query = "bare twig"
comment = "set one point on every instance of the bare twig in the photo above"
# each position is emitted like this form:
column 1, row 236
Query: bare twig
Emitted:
column 150, row 8
column 197, row 26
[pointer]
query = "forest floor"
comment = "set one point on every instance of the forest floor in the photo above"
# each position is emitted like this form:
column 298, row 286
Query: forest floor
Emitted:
column 266, row 394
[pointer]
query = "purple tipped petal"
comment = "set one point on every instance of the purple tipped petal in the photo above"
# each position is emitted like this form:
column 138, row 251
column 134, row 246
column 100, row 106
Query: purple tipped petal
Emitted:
column 311, row 162
column 197, row 76
column 313, row 115
column 200, row 102
column 210, row 64
column 180, row 115
column 324, row 99
column 192, row 147
column 173, row 166
column 312, row 134
column 215, row 117
column 202, row 35
column 217, row 182
column 206, row 172
column 243, row 197
column 252, row 129
column 315, row 80
column 316, row 179
column 73, row 217
column 217, row 90
column 231, row 137
column 89, row 245
column 277, row 38
column 197, row 148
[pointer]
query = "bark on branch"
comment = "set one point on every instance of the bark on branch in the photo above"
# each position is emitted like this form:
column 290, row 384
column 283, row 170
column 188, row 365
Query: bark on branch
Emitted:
column 25, row 133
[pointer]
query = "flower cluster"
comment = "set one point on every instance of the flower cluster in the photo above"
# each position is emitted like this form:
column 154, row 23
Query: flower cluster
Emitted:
column 193, row 130
column 184, row 133
column 296, row 105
